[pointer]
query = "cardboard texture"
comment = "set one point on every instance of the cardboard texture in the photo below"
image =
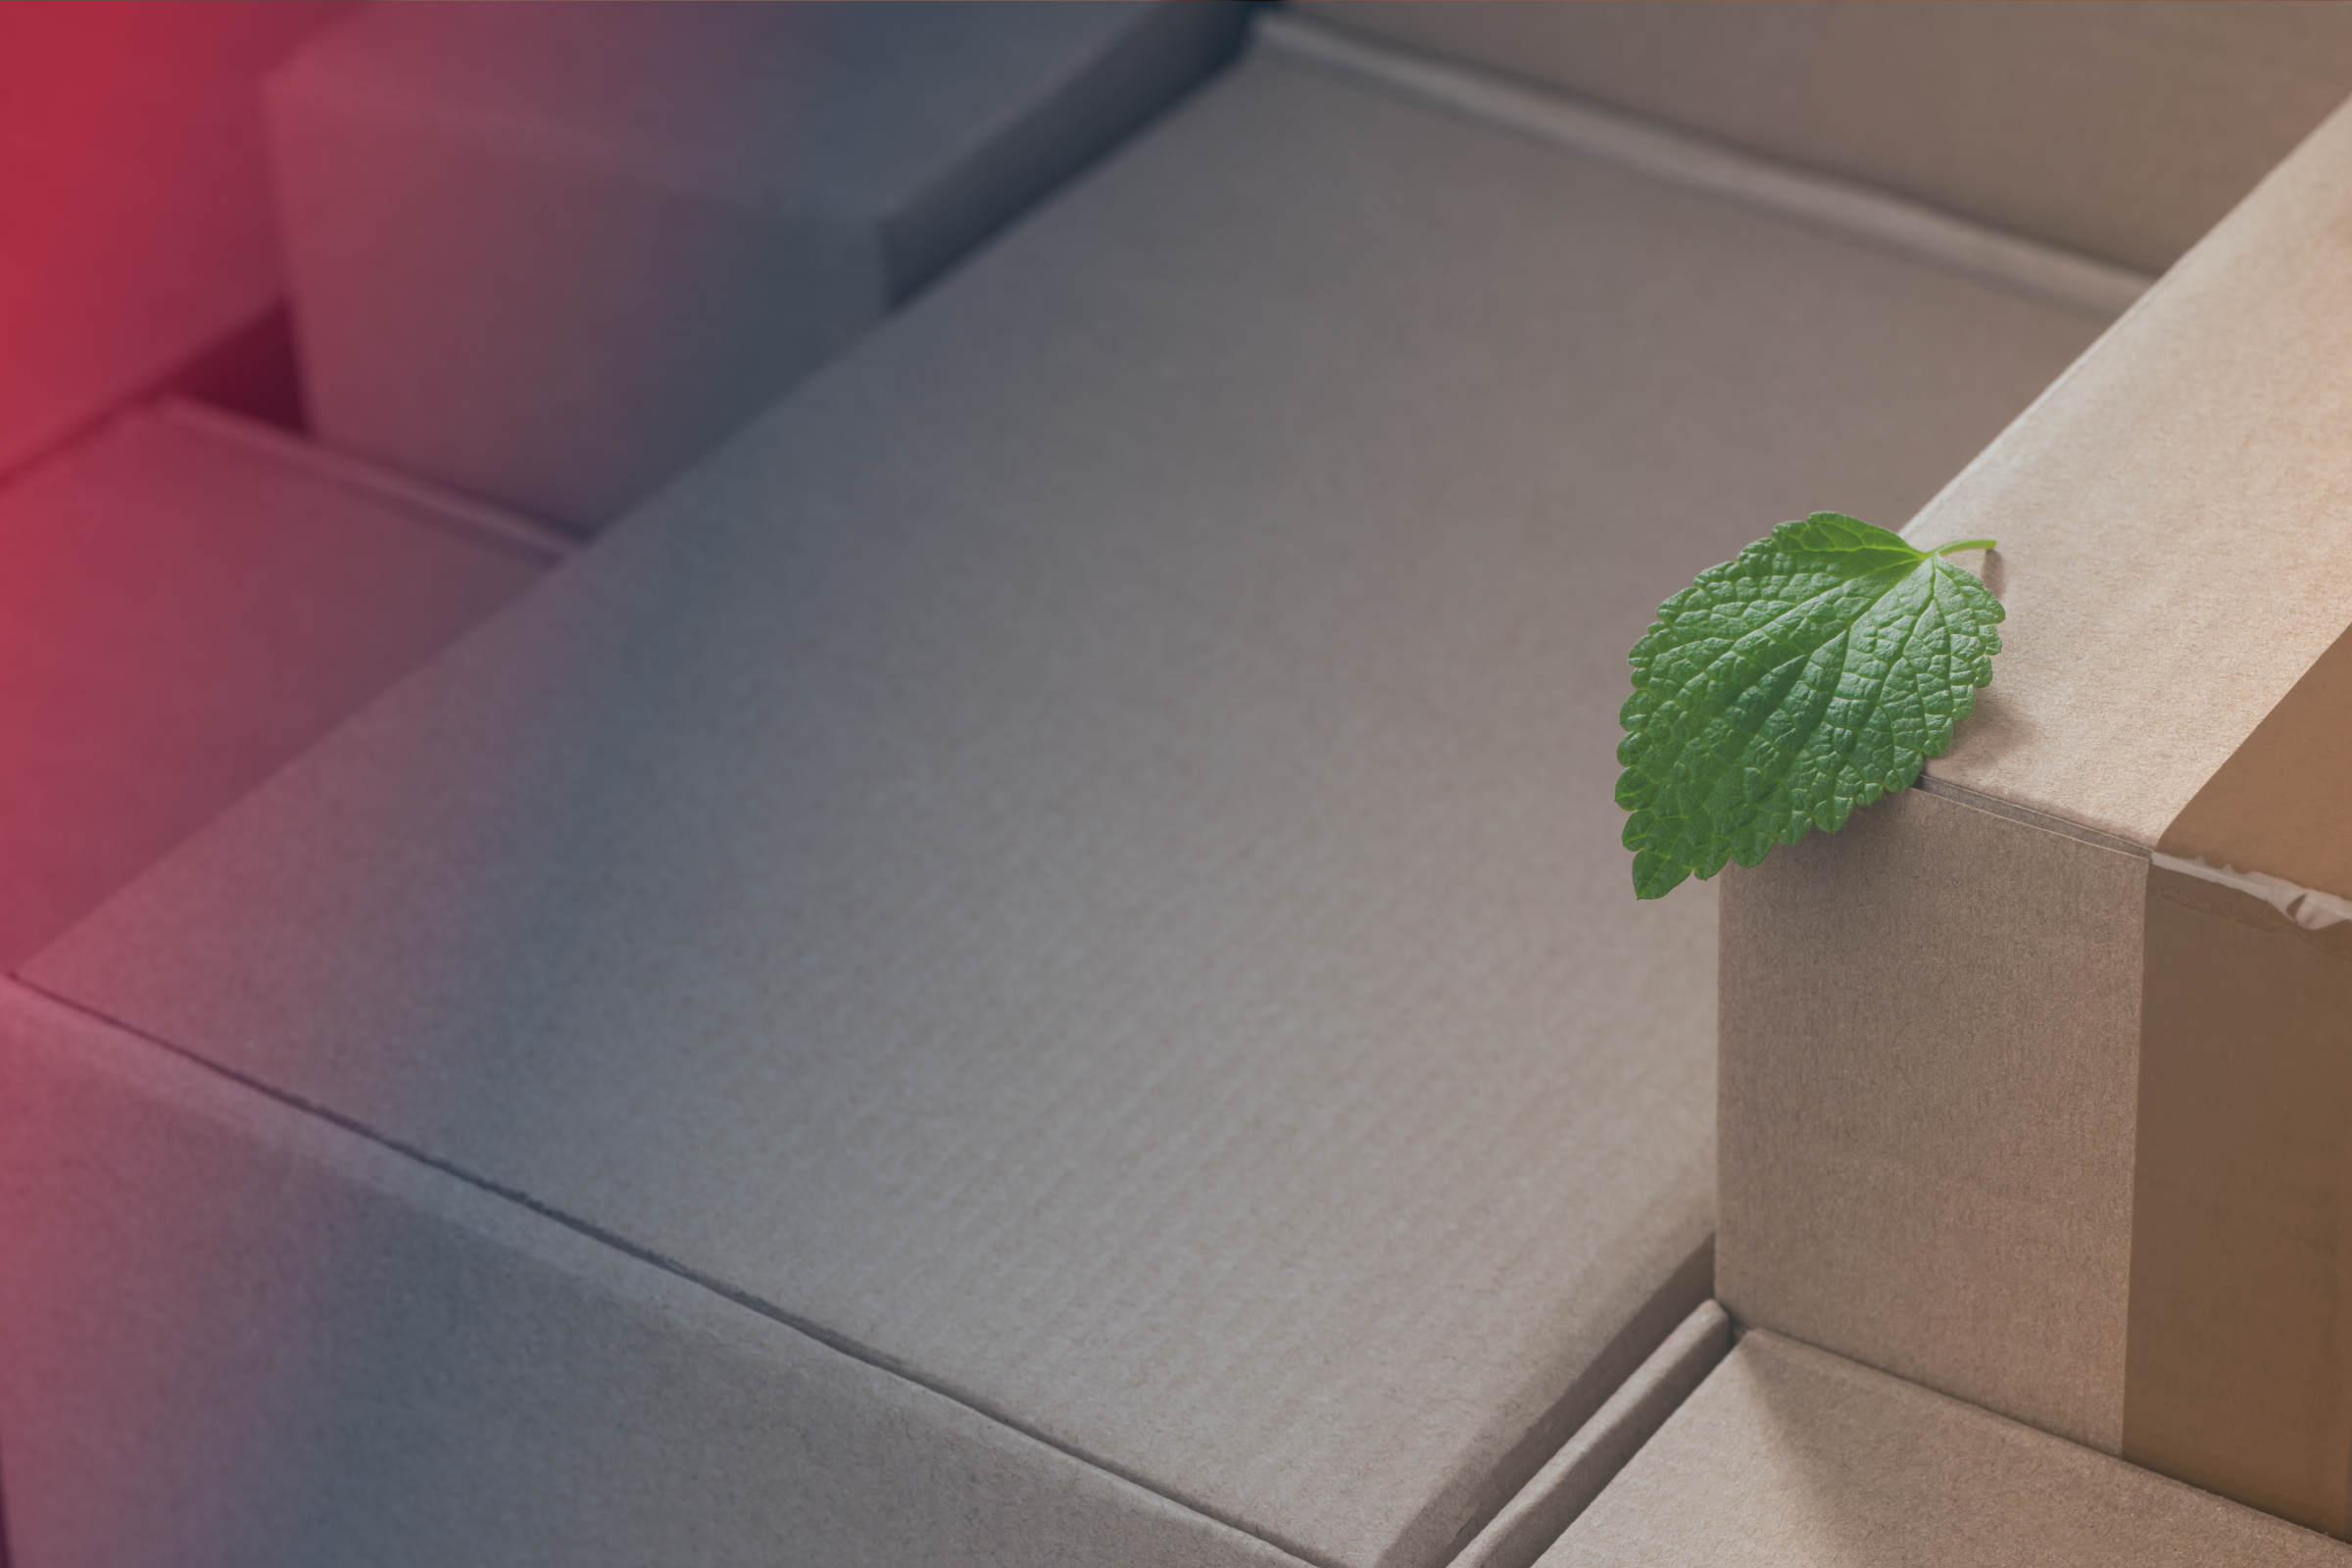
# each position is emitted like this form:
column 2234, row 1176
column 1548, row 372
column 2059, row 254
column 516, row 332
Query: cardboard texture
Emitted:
column 1795, row 1459
column 2241, row 1376
column 2121, row 130
column 234, row 1333
column 2277, row 805
column 1929, row 1023
column 1978, row 1035
column 2240, row 1372
column 180, row 614
column 134, row 200
column 1669, row 152
column 1075, row 861
column 1573, row 1477
column 549, row 253
column 2172, row 517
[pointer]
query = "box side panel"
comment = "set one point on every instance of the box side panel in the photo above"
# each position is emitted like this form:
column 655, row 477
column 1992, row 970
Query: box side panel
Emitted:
column 2240, row 1371
column 1928, row 1026
column 503, row 316
column 233, row 1334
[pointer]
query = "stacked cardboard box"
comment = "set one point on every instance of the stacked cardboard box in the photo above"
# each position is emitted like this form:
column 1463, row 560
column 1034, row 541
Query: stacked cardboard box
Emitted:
column 2117, row 131
column 549, row 254
column 1790, row 1455
column 1067, row 878
column 2034, row 1083
column 188, row 602
column 135, row 202
column 1031, row 963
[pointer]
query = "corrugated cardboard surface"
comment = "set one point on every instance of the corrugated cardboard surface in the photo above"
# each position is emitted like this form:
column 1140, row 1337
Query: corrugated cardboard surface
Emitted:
column 233, row 1334
column 180, row 615
column 2174, row 519
column 1077, row 858
column 1796, row 1458
column 1929, row 1028
column 2279, row 803
column 2241, row 1376
column 2122, row 131
column 2240, row 1364
column 2174, row 516
column 552, row 253
column 1678, row 156
column 1584, row 1464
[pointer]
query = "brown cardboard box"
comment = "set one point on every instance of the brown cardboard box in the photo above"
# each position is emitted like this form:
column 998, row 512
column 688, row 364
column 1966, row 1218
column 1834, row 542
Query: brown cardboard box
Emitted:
column 1788, row 1455
column 551, row 254
column 135, row 202
column 2006, row 1110
column 238, row 1333
column 187, row 601
column 1073, row 865
column 2122, row 131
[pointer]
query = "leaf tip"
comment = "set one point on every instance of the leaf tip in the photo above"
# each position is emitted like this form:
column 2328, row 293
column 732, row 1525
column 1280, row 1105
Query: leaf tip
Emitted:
column 1655, row 876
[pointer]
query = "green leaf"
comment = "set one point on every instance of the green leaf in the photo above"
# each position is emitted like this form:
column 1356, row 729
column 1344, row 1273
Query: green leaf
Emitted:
column 1810, row 675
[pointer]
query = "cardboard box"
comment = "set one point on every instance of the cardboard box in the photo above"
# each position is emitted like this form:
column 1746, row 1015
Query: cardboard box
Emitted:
column 2119, row 132
column 135, row 196
column 236, row 1332
column 547, row 253
column 187, row 603
column 1788, row 1455
column 2033, row 1083
column 1074, row 866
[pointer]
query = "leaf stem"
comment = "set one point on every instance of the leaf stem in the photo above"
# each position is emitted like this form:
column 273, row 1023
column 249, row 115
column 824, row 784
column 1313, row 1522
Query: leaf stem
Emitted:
column 1963, row 544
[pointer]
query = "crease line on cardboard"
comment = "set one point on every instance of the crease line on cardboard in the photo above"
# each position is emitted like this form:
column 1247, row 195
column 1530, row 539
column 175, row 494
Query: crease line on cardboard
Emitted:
column 1541, row 1512
column 1849, row 209
column 469, row 516
column 2308, row 907
column 1961, row 795
column 744, row 1299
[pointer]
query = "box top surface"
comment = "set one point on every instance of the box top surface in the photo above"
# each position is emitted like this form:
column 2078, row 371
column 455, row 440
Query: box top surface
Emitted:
column 2122, row 131
column 182, row 616
column 1788, row 1454
column 2174, row 519
column 1077, row 858
column 843, row 108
